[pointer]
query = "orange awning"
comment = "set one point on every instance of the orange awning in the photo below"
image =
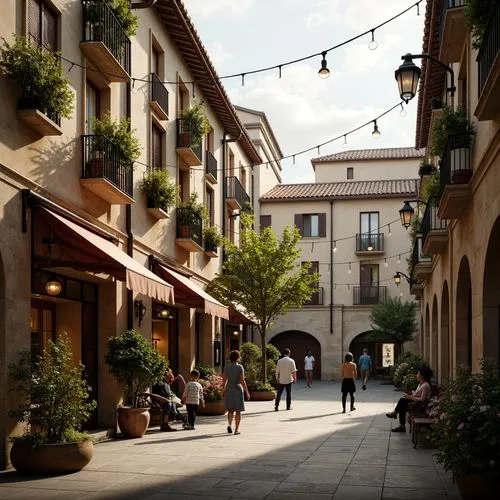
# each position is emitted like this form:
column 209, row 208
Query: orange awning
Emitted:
column 86, row 251
column 238, row 314
column 190, row 294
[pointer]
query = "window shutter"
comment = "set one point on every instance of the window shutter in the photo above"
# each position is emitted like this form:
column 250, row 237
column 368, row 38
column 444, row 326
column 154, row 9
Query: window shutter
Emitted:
column 34, row 25
column 156, row 147
column 299, row 223
column 49, row 28
column 322, row 225
column 265, row 221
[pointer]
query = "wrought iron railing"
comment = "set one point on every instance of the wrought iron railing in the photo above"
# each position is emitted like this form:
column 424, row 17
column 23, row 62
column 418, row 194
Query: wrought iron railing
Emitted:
column 185, row 137
column 455, row 166
column 489, row 46
column 189, row 225
column 370, row 242
column 210, row 164
column 159, row 93
column 235, row 190
column 103, row 159
column 316, row 298
column 101, row 25
column 366, row 295
column 430, row 221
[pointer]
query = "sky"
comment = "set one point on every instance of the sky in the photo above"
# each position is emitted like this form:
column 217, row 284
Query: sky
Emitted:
column 303, row 109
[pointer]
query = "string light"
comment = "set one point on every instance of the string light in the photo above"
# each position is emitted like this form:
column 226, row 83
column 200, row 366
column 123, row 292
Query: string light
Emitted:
column 373, row 44
column 386, row 264
column 334, row 246
column 349, row 270
column 324, row 72
column 399, row 259
column 389, row 227
column 403, row 112
column 376, row 131
column 345, row 142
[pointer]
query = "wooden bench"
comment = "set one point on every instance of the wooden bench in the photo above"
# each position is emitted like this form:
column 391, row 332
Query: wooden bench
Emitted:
column 418, row 416
column 417, row 424
column 154, row 403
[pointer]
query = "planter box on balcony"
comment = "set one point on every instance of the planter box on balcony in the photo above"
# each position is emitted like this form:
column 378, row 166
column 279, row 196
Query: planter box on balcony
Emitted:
column 106, row 190
column 158, row 213
column 39, row 122
column 211, row 253
column 453, row 30
column 454, row 201
column 435, row 242
column 417, row 289
column 422, row 269
column 104, row 61
column 488, row 105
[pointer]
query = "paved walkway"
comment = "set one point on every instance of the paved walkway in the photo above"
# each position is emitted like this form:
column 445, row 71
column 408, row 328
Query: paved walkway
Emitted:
column 312, row 452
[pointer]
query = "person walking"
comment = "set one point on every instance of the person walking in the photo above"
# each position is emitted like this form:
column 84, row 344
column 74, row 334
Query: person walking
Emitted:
column 193, row 397
column 309, row 362
column 234, row 387
column 348, row 372
column 365, row 366
column 286, row 375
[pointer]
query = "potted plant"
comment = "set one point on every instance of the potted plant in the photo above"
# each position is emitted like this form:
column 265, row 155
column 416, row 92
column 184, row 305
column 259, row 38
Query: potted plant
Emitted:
column 56, row 403
column 436, row 103
column 120, row 9
column 108, row 133
column 431, row 188
column 477, row 15
column 426, row 168
column 161, row 191
column 196, row 125
column 406, row 364
column 251, row 358
column 137, row 366
column 212, row 392
column 193, row 216
column 212, row 239
column 38, row 72
column 467, row 429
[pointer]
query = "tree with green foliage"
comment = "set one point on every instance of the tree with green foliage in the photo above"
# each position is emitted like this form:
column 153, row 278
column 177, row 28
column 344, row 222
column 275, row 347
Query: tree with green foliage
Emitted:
column 393, row 320
column 264, row 275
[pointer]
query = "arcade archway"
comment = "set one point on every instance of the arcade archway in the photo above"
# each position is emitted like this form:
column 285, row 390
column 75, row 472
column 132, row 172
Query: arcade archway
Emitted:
column 299, row 343
column 464, row 316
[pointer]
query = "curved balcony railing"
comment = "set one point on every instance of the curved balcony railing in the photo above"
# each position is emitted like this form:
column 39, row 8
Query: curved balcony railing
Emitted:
column 159, row 93
column 210, row 165
column 185, row 135
column 370, row 242
column 189, row 225
column 455, row 166
column 316, row 297
column 431, row 222
column 367, row 295
column 489, row 46
column 234, row 190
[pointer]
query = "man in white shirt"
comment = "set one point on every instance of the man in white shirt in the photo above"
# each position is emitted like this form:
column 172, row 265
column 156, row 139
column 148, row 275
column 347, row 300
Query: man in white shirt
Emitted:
column 286, row 375
column 309, row 367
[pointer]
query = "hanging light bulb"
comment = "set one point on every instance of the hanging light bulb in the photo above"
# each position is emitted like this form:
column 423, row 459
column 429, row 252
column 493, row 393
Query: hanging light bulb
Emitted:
column 403, row 112
column 376, row 132
column 399, row 259
column 334, row 247
column 373, row 44
column 53, row 286
column 345, row 142
column 390, row 234
column 386, row 264
column 349, row 270
column 324, row 72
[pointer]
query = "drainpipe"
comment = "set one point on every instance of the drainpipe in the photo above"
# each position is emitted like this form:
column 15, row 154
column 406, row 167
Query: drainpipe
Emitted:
column 128, row 218
column 331, row 266
column 142, row 5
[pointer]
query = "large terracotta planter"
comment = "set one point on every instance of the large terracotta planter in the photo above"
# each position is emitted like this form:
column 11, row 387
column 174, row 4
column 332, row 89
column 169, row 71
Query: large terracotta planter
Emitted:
column 51, row 458
column 133, row 422
column 473, row 486
column 262, row 395
column 212, row 408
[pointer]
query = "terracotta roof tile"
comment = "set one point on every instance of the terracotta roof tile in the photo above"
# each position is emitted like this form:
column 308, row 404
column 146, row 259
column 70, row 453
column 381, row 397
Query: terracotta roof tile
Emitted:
column 349, row 189
column 372, row 154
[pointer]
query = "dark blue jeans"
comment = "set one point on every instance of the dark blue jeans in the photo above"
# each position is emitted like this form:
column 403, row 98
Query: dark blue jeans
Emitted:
column 288, row 388
column 191, row 411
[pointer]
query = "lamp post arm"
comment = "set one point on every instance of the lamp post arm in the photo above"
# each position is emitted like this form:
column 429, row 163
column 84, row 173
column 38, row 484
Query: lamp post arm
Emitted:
column 452, row 88
column 405, row 276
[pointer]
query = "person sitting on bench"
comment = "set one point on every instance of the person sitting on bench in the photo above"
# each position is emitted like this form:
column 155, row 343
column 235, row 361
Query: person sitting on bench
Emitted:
column 170, row 411
column 421, row 393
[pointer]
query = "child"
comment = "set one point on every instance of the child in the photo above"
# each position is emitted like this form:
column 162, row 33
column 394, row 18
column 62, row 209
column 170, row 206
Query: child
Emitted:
column 348, row 372
column 192, row 397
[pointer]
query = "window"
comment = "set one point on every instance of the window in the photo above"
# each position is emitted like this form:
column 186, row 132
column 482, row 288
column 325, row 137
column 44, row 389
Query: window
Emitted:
column 92, row 107
column 265, row 221
column 368, row 275
column 368, row 222
column 311, row 225
column 317, row 296
column 350, row 173
column 243, row 177
column 156, row 147
column 42, row 23
column 155, row 61
column 209, row 203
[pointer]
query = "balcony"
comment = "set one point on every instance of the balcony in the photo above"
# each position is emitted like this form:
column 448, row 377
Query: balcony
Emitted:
column 455, row 174
column 44, row 124
column 189, row 233
column 105, row 44
column 368, row 295
column 105, row 171
column 210, row 167
column 421, row 263
column 191, row 153
column 488, row 62
column 434, row 231
column 236, row 196
column 453, row 30
column 316, row 298
column 369, row 243
column 158, row 100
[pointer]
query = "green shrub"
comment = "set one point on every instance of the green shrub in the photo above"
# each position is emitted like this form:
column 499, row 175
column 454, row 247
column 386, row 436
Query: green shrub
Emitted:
column 406, row 364
column 431, row 188
column 160, row 189
column 56, row 396
column 477, row 15
column 451, row 122
column 205, row 371
column 250, row 359
column 212, row 237
column 409, row 382
column 197, row 122
column 259, row 386
column 39, row 74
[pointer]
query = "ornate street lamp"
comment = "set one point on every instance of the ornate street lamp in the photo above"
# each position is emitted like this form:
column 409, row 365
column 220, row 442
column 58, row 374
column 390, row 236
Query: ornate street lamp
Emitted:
column 397, row 278
column 406, row 215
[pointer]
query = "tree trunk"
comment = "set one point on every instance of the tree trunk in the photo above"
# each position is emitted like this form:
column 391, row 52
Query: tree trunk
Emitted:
column 263, row 371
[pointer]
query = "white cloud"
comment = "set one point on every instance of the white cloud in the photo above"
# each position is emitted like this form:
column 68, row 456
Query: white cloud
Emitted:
column 209, row 8
column 323, row 12
column 218, row 53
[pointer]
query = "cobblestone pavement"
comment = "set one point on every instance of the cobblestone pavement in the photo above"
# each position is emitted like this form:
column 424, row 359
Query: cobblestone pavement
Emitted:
column 311, row 452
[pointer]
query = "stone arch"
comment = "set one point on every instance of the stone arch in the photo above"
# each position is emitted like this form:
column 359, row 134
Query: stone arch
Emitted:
column 491, row 296
column 427, row 328
column 299, row 343
column 463, row 308
column 362, row 341
column 434, row 358
column 444, row 337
